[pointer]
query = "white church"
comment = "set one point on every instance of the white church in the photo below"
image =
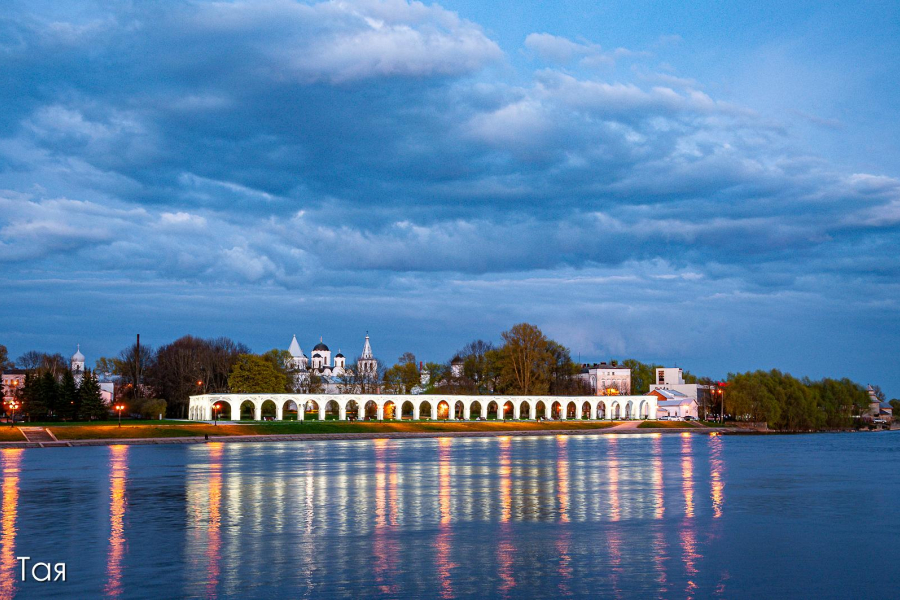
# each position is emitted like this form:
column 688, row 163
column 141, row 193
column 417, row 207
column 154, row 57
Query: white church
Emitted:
column 332, row 371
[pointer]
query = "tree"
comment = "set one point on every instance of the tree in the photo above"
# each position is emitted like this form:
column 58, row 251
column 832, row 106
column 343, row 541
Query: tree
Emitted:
column 5, row 363
column 90, row 397
column 402, row 377
column 642, row 375
column 879, row 395
column 280, row 359
column 478, row 367
column 895, row 404
column 253, row 374
column 525, row 360
column 31, row 360
column 69, row 399
column 564, row 379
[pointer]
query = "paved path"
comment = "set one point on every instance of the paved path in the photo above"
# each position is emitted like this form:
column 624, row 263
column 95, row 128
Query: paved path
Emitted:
column 37, row 434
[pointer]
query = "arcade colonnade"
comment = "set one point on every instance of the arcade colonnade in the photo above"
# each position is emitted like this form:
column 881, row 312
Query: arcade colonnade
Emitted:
column 425, row 406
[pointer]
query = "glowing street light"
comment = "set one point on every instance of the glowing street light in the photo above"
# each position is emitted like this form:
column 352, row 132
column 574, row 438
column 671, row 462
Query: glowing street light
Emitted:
column 120, row 408
column 14, row 406
column 216, row 408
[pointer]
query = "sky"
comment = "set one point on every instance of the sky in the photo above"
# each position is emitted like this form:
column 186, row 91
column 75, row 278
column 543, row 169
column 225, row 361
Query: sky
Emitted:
column 712, row 185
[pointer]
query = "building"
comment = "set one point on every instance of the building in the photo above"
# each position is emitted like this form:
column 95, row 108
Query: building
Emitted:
column 672, row 379
column 13, row 380
column 607, row 379
column 674, row 404
column 332, row 372
column 878, row 412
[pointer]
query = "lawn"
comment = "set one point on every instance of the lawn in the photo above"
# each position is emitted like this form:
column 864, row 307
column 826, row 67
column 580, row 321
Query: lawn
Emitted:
column 10, row 434
column 666, row 424
column 151, row 429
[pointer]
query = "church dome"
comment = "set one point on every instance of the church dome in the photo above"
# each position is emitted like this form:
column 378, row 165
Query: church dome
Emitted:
column 339, row 355
column 321, row 346
column 78, row 356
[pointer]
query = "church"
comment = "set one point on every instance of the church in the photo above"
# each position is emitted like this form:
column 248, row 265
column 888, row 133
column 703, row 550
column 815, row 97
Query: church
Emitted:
column 333, row 371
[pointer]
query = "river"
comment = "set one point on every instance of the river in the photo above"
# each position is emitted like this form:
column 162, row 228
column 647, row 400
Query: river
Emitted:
column 627, row 516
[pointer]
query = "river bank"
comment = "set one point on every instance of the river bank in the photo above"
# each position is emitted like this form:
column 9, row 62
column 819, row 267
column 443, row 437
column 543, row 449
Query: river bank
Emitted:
column 104, row 435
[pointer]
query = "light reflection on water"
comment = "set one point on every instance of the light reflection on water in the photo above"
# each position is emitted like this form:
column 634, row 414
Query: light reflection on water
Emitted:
column 10, row 460
column 501, row 517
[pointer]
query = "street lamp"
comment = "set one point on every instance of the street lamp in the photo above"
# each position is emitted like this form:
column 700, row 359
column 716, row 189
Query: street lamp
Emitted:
column 14, row 406
column 216, row 408
column 120, row 408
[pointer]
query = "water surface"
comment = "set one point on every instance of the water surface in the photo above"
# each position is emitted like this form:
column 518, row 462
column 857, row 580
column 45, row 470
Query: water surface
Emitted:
column 620, row 516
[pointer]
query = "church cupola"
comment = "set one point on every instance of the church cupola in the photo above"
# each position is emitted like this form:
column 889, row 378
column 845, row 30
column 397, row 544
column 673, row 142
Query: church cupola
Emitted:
column 78, row 365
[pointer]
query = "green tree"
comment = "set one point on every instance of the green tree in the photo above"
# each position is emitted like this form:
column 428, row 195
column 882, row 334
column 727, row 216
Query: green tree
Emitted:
column 643, row 375
column 895, row 404
column 69, row 399
column 90, row 397
column 402, row 377
column 48, row 394
column 253, row 374
column 525, row 360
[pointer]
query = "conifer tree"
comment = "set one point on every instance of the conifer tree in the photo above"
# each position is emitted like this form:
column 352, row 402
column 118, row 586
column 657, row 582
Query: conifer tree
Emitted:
column 48, row 394
column 69, row 399
column 91, row 401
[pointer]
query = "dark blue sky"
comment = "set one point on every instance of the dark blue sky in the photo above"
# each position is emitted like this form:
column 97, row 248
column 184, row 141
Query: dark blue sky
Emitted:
column 713, row 185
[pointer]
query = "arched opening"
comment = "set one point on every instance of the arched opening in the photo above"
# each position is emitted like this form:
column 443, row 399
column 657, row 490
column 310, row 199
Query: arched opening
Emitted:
column 540, row 410
column 351, row 410
column 616, row 411
column 248, row 410
column 332, row 410
column 268, row 410
column 406, row 410
column 492, row 409
column 508, row 410
column 390, row 409
column 571, row 409
column 371, row 410
column 475, row 410
column 524, row 410
column 311, row 410
column 645, row 410
column 458, row 409
column 601, row 410
column 586, row 410
column 443, row 410
column 425, row 409
column 555, row 410
column 289, row 410
column 223, row 412
column 628, row 410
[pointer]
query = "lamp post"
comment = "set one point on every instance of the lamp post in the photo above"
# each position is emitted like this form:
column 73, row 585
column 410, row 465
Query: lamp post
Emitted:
column 119, row 408
column 216, row 408
column 14, row 406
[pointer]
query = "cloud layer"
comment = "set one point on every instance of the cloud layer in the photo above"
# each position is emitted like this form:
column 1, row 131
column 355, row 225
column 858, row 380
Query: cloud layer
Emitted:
column 389, row 153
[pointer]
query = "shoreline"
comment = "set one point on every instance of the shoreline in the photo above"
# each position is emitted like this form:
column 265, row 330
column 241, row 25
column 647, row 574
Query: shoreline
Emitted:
column 324, row 437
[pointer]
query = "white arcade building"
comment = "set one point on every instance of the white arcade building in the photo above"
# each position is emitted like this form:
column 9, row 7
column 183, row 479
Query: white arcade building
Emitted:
column 431, row 406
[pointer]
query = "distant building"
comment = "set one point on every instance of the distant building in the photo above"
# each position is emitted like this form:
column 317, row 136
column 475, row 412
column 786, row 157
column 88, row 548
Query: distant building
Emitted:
column 320, row 363
column 607, row 379
column 13, row 380
column 672, row 403
column 877, row 410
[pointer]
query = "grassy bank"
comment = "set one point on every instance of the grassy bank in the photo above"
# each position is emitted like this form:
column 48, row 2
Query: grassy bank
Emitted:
column 667, row 424
column 153, row 429
column 10, row 434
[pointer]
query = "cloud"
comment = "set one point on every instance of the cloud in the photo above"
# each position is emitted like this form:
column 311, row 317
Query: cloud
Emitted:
column 385, row 156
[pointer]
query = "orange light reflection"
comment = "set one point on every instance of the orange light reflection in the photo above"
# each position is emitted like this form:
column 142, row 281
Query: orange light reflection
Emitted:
column 214, row 542
column 10, row 461
column 117, row 501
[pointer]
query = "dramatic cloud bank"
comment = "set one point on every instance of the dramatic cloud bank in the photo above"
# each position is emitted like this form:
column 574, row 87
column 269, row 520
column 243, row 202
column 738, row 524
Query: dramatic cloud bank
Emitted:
column 257, row 169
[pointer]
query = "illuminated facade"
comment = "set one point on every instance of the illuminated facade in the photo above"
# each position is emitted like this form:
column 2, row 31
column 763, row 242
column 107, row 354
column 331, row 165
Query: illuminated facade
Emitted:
column 430, row 406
